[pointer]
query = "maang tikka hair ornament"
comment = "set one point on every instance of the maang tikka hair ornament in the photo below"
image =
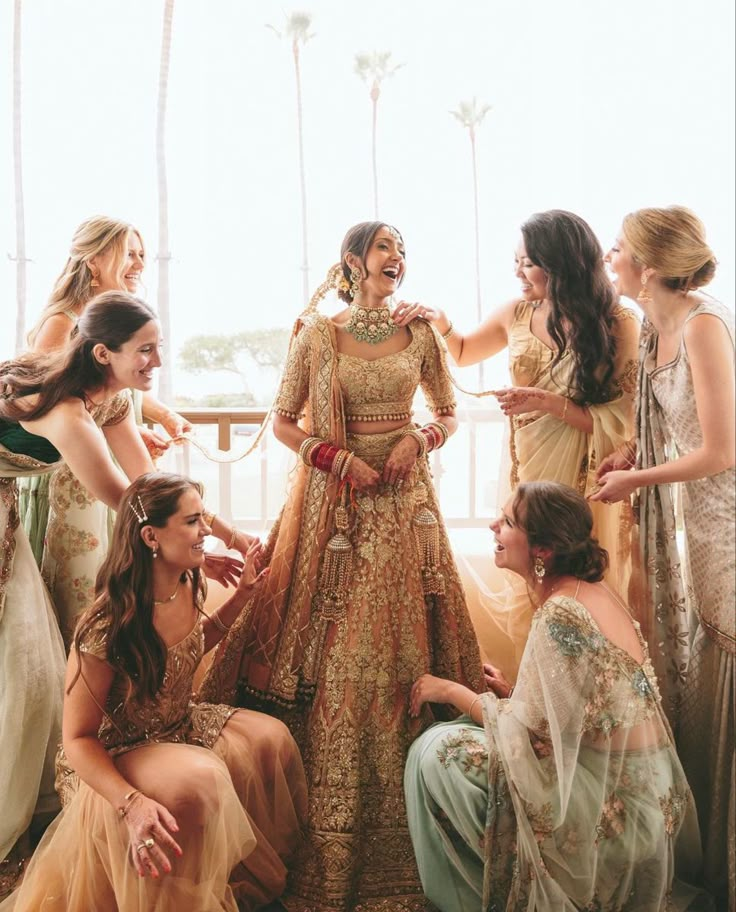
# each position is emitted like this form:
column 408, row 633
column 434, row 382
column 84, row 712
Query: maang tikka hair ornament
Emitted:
column 140, row 512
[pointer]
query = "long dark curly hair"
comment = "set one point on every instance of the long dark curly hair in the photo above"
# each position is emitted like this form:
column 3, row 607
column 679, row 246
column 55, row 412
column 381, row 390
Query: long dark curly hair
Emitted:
column 582, row 299
column 123, row 603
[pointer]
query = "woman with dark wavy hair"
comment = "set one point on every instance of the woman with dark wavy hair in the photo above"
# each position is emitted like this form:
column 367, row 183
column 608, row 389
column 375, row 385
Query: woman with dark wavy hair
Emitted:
column 167, row 805
column 563, row 792
column 573, row 361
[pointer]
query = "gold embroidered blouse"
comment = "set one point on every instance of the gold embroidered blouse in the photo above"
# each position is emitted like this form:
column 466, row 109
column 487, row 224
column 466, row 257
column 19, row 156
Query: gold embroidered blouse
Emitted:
column 171, row 716
column 378, row 390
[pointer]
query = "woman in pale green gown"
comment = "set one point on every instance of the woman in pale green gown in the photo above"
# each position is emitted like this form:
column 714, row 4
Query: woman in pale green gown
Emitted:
column 565, row 792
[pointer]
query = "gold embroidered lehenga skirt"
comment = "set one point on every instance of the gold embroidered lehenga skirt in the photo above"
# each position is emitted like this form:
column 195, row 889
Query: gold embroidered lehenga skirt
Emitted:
column 359, row 667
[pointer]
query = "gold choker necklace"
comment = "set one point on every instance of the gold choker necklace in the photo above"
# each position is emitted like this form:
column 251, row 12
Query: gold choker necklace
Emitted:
column 370, row 324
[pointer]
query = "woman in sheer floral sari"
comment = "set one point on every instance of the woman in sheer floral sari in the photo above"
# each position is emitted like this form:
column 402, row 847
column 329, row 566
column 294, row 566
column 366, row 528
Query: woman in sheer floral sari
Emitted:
column 564, row 792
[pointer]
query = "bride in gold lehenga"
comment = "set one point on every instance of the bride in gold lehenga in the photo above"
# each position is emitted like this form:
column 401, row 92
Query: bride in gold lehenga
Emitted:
column 573, row 354
column 363, row 593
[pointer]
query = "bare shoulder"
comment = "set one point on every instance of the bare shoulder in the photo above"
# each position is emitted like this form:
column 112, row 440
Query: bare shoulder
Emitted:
column 68, row 412
column 54, row 333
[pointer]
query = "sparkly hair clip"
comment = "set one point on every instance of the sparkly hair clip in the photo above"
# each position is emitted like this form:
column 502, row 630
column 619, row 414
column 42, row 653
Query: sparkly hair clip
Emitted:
column 140, row 512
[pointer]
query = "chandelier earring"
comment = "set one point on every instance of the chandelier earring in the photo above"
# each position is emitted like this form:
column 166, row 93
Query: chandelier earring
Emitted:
column 356, row 277
column 94, row 283
column 644, row 296
column 539, row 568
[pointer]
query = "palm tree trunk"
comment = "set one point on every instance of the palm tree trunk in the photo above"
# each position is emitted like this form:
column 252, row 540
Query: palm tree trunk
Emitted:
column 302, row 175
column 164, row 254
column 374, row 98
column 478, row 304
column 20, row 217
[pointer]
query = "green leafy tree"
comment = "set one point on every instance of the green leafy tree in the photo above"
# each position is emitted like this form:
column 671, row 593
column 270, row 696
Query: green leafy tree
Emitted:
column 373, row 69
column 233, row 353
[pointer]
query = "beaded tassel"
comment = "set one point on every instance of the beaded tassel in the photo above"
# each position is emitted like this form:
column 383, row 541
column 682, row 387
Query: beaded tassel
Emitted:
column 427, row 531
column 337, row 566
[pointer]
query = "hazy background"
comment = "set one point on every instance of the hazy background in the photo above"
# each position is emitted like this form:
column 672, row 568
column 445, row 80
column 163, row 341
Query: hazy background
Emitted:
column 599, row 108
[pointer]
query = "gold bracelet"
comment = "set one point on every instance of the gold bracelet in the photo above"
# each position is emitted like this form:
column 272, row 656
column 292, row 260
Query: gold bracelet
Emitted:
column 209, row 517
column 129, row 799
column 564, row 408
column 233, row 535
column 449, row 331
column 218, row 622
column 346, row 465
column 472, row 704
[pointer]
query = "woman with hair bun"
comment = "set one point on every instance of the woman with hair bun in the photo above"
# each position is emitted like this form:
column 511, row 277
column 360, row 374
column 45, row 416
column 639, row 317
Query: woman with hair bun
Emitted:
column 564, row 792
column 685, row 434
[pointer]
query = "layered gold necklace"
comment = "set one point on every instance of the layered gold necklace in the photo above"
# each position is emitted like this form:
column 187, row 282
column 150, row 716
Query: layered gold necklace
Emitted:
column 370, row 324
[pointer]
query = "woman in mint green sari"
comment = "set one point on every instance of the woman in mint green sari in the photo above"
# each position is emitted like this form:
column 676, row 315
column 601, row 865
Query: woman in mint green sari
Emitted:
column 565, row 792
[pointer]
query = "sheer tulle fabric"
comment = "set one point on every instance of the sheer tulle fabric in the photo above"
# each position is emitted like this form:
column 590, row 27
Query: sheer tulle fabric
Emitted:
column 239, row 807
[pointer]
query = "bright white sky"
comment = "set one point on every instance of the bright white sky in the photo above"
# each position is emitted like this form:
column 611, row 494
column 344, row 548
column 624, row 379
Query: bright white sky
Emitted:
column 599, row 108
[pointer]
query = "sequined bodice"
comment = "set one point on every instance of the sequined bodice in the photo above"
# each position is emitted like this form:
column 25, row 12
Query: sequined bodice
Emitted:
column 166, row 718
column 375, row 390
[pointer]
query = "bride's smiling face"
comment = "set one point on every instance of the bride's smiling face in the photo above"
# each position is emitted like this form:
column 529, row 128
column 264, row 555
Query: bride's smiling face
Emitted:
column 385, row 264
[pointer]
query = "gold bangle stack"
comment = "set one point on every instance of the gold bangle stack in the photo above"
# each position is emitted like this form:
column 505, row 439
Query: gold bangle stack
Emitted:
column 209, row 517
column 341, row 463
column 448, row 332
column 233, row 535
column 420, row 439
column 305, row 450
column 564, row 408
column 346, row 463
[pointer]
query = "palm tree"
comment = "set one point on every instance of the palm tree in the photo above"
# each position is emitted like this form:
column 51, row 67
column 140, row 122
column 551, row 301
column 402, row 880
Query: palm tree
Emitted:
column 373, row 69
column 470, row 114
column 297, row 31
column 164, row 254
column 20, row 217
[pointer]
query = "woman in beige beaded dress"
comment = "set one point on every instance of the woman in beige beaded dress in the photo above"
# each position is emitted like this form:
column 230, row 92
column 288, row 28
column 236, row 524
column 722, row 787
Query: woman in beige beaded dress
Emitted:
column 685, row 434
column 572, row 358
column 167, row 806
column 363, row 592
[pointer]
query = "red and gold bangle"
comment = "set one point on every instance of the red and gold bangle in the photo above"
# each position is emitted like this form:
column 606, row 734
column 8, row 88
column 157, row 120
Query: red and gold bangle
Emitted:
column 326, row 457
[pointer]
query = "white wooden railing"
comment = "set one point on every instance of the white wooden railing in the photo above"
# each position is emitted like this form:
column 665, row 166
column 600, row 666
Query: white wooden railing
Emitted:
column 251, row 491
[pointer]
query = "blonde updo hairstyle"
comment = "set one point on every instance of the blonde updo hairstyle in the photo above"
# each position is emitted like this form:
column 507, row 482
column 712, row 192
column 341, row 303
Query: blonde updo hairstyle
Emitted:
column 672, row 242
column 72, row 289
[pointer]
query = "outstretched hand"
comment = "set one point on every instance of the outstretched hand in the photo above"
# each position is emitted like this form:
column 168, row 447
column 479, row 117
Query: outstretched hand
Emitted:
column 406, row 311
column 222, row 569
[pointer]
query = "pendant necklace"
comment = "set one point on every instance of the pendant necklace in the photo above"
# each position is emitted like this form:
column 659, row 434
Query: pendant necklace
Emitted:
column 370, row 324
column 170, row 598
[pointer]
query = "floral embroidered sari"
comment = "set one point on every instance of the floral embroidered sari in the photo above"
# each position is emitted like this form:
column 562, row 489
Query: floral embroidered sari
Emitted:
column 571, row 797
